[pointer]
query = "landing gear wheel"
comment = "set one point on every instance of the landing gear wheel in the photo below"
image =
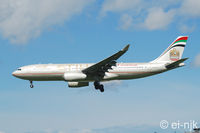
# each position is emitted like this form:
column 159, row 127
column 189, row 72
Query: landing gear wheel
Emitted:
column 31, row 82
column 101, row 88
column 31, row 86
column 96, row 85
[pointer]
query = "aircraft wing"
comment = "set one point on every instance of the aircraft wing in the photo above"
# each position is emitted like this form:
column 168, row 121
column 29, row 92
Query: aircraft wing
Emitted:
column 103, row 66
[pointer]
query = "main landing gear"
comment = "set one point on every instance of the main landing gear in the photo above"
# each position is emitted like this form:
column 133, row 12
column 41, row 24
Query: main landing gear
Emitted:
column 99, row 86
column 31, row 84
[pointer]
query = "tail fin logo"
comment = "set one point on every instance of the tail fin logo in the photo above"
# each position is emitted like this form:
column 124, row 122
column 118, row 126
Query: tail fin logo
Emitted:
column 174, row 54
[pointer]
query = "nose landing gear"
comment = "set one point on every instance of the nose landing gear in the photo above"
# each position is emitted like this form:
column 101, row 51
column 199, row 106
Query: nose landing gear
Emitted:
column 31, row 84
column 99, row 86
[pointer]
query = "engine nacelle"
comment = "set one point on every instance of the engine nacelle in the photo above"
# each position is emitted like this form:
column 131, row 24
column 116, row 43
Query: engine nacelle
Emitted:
column 74, row 76
column 77, row 84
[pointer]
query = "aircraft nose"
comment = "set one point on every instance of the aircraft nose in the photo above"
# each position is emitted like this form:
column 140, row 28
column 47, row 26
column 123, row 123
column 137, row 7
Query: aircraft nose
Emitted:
column 14, row 73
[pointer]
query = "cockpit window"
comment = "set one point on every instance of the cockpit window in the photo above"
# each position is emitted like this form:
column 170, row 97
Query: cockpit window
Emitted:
column 19, row 69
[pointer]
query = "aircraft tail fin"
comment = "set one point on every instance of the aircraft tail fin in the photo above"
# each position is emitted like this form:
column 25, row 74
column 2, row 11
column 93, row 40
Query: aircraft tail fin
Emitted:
column 174, row 52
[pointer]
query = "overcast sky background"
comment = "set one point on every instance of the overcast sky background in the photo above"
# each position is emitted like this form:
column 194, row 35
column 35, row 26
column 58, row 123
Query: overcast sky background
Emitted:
column 77, row 31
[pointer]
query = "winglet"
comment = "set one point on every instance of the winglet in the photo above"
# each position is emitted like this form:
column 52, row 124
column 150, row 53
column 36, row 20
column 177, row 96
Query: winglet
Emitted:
column 126, row 48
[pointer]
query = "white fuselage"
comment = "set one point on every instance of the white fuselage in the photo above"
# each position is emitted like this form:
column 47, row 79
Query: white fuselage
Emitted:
column 56, row 72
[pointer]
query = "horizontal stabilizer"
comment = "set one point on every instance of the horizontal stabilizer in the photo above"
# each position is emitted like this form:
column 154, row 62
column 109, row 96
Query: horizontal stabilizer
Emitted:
column 176, row 63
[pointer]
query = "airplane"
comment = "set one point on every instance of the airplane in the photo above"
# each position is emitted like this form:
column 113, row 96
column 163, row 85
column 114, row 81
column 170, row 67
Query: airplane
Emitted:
column 79, row 75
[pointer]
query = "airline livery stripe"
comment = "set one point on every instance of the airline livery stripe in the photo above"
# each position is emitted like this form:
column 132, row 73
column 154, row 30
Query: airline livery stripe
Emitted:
column 30, row 74
column 181, row 39
column 180, row 45
column 40, row 74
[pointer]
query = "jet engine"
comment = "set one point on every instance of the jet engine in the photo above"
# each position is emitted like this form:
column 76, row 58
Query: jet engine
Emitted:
column 77, row 84
column 74, row 76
